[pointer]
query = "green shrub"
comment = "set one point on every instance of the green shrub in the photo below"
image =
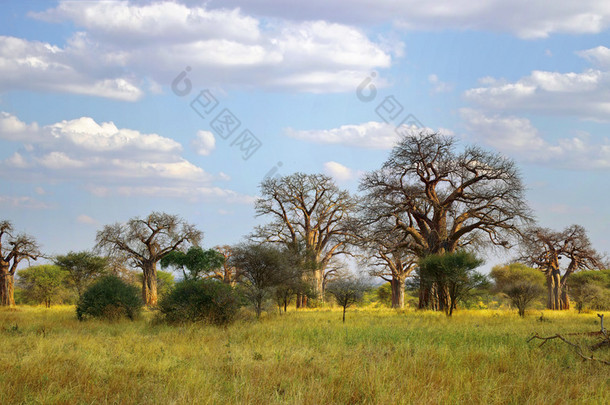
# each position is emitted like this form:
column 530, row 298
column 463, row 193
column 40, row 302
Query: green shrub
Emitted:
column 110, row 298
column 206, row 301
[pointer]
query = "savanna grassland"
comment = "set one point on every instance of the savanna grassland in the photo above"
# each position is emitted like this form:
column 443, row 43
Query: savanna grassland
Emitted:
column 305, row 357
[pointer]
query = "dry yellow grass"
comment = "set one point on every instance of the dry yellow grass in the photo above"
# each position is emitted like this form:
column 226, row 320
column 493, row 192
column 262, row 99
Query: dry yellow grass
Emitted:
column 305, row 357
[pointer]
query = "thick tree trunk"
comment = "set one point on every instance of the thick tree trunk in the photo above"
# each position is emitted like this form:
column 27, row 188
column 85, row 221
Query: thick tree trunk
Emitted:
column 149, row 284
column 318, row 284
column 565, row 300
column 398, row 292
column 7, row 288
column 344, row 314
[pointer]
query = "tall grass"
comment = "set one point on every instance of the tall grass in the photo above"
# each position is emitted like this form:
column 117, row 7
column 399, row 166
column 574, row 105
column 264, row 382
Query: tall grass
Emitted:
column 309, row 357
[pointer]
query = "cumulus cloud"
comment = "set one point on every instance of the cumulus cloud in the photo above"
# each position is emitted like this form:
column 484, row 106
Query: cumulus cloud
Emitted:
column 338, row 171
column 107, row 160
column 518, row 137
column 584, row 95
column 204, row 143
column 525, row 19
column 124, row 49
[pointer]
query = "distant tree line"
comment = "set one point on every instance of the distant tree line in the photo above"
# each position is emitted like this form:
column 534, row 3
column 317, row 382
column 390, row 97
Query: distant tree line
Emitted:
column 425, row 216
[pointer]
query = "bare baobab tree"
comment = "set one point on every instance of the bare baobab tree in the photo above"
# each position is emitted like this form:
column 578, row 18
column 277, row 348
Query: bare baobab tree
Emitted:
column 307, row 209
column 384, row 248
column 442, row 199
column 145, row 242
column 544, row 249
column 13, row 249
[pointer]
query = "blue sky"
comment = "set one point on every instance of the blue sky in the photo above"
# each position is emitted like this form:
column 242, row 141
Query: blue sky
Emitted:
column 92, row 133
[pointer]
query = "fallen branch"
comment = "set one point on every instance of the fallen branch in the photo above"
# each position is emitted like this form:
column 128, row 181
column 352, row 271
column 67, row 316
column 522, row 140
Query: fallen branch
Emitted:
column 576, row 347
column 603, row 332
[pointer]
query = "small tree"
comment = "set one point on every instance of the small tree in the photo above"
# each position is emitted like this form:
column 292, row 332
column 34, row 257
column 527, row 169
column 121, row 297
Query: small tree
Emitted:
column 82, row 268
column 591, row 289
column 263, row 268
column 197, row 261
column 347, row 291
column 521, row 284
column 43, row 284
column 450, row 276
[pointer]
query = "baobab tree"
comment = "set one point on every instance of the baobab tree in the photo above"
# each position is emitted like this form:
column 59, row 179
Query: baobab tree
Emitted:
column 443, row 200
column 228, row 273
column 308, row 210
column 391, row 259
column 544, row 248
column 145, row 242
column 13, row 250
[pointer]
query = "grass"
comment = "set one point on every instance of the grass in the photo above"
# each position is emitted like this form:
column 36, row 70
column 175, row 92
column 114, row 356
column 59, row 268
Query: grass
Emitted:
column 305, row 357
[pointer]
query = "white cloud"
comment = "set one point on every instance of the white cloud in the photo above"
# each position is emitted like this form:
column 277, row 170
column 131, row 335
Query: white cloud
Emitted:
column 526, row 19
column 22, row 202
column 438, row 86
column 86, row 219
column 369, row 135
column 518, row 137
column 338, row 171
column 204, row 143
column 107, row 160
column 584, row 95
column 125, row 48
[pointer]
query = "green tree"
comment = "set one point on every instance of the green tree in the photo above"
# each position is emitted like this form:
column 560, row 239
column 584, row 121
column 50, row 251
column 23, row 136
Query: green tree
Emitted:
column 43, row 284
column 196, row 261
column 521, row 284
column 82, row 268
column 591, row 289
column 450, row 276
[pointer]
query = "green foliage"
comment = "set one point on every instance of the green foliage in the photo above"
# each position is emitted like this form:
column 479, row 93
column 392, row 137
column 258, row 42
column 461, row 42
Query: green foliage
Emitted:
column 110, row 298
column 43, row 284
column 82, row 268
column 384, row 294
column 590, row 289
column 197, row 261
column 207, row 301
column 522, row 285
column 451, row 276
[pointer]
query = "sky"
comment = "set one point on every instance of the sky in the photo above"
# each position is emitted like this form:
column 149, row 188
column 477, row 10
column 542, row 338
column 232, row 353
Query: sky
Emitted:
column 111, row 110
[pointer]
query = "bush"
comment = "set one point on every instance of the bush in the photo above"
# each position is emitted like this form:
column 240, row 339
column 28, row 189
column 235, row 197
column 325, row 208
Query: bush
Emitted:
column 110, row 298
column 206, row 301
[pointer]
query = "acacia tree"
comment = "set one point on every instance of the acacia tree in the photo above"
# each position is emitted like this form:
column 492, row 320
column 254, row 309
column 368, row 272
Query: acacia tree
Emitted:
column 347, row 291
column 452, row 275
column 145, row 242
column 13, row 249
column 521, row 284
column 197, row 261
column 82, row 267
column 307, row 209
column 442, row 200
column 544, row 248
